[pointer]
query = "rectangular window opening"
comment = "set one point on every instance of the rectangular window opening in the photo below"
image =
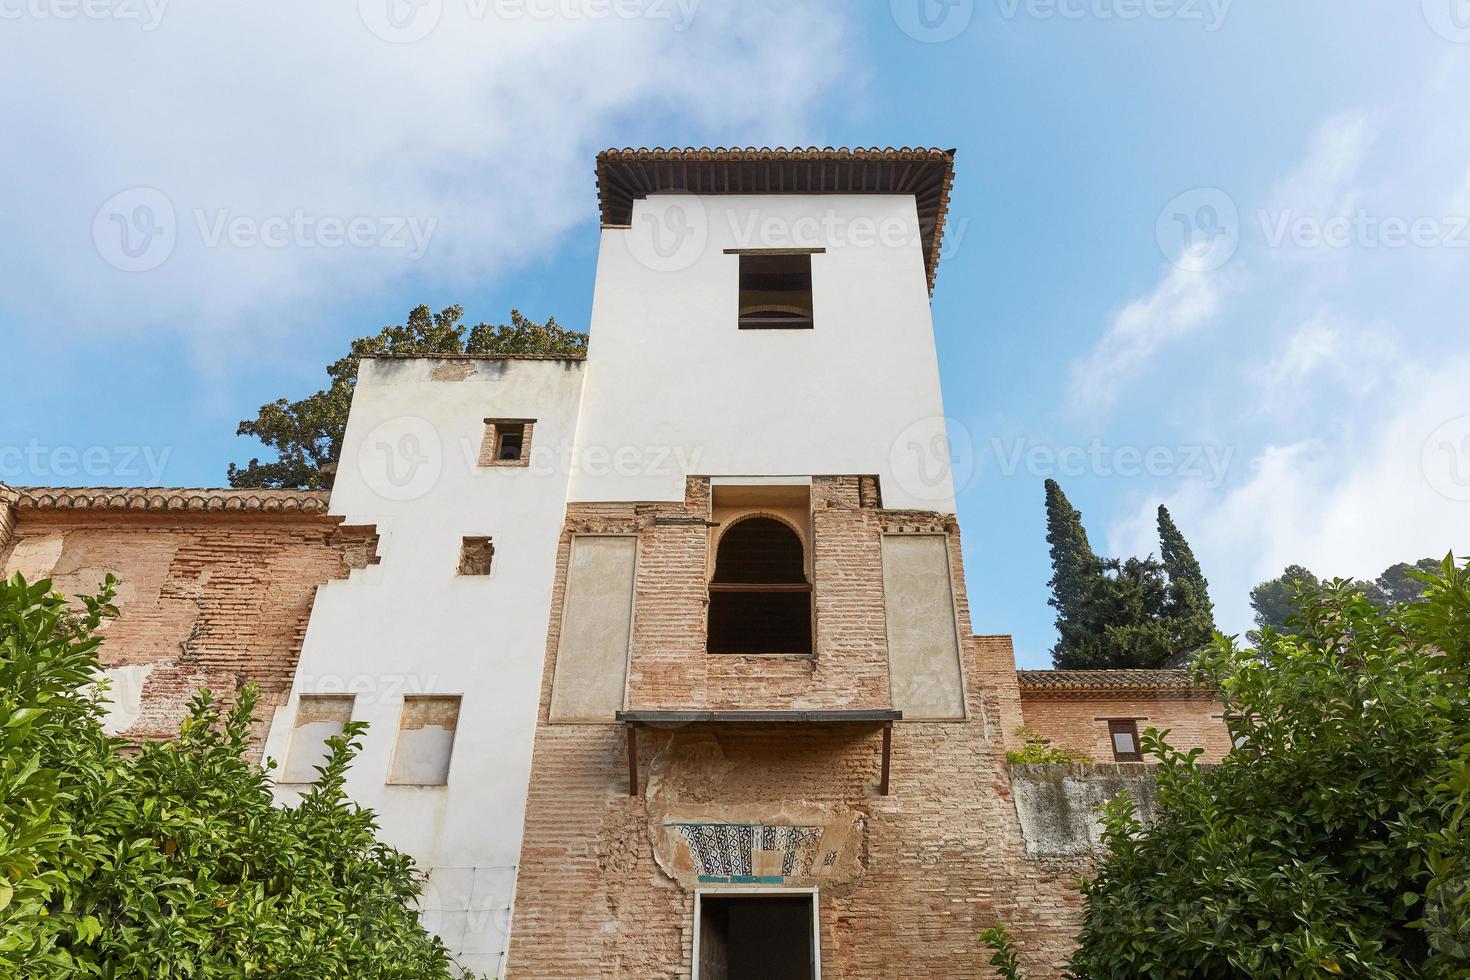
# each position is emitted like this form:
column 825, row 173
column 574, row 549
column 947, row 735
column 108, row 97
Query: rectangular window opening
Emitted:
column 318, row 718
column 506, row 442
column 754, row 936
column 775, row 291
column 425, row 740
column 476, row 556
column 1124, row 737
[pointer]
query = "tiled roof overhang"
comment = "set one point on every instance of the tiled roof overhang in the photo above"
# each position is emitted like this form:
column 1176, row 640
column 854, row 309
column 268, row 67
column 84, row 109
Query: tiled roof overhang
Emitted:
column 625, row 175
column 1075, row 683
column 171, row 499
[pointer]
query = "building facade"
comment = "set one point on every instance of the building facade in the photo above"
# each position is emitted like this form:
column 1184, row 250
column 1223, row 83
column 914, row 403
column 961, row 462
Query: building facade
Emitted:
column 666, row 652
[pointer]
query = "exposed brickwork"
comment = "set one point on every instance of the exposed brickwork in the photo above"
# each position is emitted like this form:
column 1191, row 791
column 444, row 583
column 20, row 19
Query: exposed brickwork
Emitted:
column 943, row 857
column 1078, row 719
column 209, row 598
column 491, row 436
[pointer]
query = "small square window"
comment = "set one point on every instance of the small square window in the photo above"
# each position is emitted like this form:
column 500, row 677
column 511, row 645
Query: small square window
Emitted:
column 507, row 442
column 1124, row 736
column 475, row 556
column 318, row 718
column 775, row 291
column 425, row 741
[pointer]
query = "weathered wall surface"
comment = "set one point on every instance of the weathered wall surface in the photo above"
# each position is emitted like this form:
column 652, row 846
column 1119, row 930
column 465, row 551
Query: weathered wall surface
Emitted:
column 1078, row 719
column 1058, row 805
column 208, row 597
column 605, row 884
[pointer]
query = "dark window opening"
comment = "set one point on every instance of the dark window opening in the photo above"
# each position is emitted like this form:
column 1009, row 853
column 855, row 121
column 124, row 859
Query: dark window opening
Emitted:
column 508, row 440
column 775, row 292
column 756, row 938
column 476, row 556
column 1124, row 736
column 759, row 599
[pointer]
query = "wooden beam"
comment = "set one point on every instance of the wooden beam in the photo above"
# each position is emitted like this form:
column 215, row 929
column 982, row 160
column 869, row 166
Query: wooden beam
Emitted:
column 633, row 759
column 887, row 755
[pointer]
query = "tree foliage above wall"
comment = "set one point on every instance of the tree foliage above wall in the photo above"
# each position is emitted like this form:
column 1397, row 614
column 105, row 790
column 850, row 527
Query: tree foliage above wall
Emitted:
column 1117, row 613
column 307, row 434
column 173, row 862
column 1336, row 842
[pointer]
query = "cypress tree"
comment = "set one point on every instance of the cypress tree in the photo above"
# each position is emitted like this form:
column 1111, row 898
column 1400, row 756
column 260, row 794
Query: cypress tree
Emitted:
column 1187, row 606
column 1077, row 585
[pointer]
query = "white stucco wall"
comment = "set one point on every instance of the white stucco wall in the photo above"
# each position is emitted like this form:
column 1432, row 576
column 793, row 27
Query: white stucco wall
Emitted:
column 675, row 388
column 411, row 626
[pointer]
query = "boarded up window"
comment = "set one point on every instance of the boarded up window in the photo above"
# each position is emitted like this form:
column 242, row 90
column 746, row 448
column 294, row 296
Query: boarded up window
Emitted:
column 475, row 556
column 425, row 741
column 592, row 656
column 318, row 718
column 923, row 637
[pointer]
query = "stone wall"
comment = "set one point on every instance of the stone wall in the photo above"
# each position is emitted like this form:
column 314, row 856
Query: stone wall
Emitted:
column 906, row 881
column 212, row 594
column 1058, row 805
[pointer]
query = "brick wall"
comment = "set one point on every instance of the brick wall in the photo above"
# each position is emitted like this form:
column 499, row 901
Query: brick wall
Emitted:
column 207, row 598
column 937, row 861
column 1079, row 719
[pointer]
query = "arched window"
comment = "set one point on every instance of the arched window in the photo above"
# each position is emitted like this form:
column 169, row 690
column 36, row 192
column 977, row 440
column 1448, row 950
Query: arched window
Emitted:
column 759, row 599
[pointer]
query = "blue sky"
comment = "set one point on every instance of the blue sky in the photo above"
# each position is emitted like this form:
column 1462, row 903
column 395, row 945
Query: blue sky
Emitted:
column 1207, row 253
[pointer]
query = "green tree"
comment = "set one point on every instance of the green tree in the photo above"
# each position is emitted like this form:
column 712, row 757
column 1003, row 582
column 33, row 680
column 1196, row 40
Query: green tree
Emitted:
column 1334, row 843
column 1188, row 607
column 1401, row 583
column 1121, row 613
column 307, row 434
column 173, row 862
column 1274, row 600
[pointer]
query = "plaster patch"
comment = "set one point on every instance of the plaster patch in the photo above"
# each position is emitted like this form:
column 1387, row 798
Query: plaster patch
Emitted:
column 124, row 697
column 34, row 556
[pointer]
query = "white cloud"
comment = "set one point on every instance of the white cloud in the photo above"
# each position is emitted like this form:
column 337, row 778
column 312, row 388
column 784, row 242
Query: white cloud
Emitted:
column 1324, row 183
column 1349, row 504
column 1327, row 349
column 276, row 116
column 1182, row 302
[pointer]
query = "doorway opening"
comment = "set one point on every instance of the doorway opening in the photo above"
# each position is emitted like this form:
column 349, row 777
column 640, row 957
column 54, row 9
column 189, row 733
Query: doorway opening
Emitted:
column 756, row 936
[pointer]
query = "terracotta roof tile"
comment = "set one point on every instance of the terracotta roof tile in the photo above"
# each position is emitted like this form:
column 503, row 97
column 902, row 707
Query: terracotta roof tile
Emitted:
column 171, row 499
column 1106, row 680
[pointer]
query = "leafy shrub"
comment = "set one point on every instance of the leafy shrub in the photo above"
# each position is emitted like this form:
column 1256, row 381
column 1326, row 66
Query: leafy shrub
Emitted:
column 1038, row 750
column 174, row 862
column 1004, row 958
column 1334, row 843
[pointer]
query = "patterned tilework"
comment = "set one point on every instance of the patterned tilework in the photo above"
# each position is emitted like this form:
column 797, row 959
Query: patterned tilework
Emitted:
column 723, row 850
